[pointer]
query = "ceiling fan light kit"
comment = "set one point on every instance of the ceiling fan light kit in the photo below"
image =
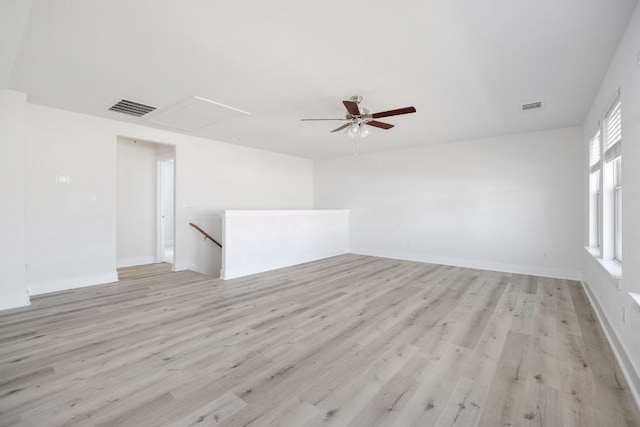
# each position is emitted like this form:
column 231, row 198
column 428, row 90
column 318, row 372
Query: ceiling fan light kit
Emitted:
column 354, row 130
column 358, row 130
column 359, row 118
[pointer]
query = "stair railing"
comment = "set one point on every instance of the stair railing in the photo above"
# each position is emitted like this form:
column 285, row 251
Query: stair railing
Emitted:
column 206, row 235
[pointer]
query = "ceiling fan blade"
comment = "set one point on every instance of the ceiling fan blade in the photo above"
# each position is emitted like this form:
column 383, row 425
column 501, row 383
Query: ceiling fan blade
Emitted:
column 346, row 125
column 380, row 125
column 309, row 120
column 352, row 107
column 397, row 112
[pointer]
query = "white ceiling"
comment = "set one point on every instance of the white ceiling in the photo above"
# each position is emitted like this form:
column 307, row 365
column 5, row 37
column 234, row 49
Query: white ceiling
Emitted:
column 465, row 65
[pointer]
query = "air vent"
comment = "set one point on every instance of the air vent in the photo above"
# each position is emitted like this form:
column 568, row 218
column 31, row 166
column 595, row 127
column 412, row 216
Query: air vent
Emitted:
column 531, row 106
column 132, row 108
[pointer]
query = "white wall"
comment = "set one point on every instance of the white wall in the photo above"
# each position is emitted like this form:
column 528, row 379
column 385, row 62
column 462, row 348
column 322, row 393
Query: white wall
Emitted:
column 212, row 177
column 623, row 73
column 13, row 292
column 71, row 241
column 136, row 204
column 509, row 203
column 257, row 241
column 13, row 21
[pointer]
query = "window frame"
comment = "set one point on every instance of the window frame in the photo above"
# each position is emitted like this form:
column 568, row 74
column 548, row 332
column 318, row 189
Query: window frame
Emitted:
column 617, row 209
column 612, row 156
column 605, row 189
column 595, row 190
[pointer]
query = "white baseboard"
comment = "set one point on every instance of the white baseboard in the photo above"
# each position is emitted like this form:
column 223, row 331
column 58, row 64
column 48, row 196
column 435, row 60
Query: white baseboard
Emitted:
column 557, row 273
column 628, row 370
column 71, row 283
column 141, row 260
column 14, row 300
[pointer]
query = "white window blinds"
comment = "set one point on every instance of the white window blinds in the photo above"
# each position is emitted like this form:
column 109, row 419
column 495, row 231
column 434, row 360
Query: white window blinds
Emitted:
column 613, row 129
column 594, row 152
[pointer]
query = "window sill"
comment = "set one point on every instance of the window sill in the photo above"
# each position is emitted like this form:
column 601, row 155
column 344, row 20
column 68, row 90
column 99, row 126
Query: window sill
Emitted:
column 614, row 268
column 635, row 297
column 611, row 267
column 595, row 252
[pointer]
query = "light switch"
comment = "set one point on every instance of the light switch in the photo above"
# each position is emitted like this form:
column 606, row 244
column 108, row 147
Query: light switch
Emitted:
column 94, row 197
column 63, row 179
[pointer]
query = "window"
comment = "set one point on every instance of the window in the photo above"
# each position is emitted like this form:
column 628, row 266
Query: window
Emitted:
column 595, row 195
column 613, row 159
column 605, row 186
column 617, row 208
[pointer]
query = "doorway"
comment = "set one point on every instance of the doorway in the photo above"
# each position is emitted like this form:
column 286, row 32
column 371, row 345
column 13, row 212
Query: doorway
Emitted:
column 166, row 223
column 145, row 207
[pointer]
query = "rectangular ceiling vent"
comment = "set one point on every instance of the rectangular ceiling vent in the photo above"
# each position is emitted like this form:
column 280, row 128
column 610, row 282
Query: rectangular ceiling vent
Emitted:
column 132, row 108
column 532, row 106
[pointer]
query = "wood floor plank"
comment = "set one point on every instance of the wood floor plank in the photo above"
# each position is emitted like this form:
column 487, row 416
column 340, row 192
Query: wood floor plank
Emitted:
column 509, row 385
column 348, row 340
column 464, row 405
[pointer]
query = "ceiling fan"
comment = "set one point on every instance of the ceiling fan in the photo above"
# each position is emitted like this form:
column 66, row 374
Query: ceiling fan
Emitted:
column 358, row 117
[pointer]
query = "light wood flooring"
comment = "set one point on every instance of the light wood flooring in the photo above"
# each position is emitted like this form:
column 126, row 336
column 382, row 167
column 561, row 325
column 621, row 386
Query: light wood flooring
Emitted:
column 350, row 340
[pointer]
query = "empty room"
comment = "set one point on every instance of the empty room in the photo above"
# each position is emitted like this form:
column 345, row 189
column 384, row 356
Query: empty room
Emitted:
column 284, row 213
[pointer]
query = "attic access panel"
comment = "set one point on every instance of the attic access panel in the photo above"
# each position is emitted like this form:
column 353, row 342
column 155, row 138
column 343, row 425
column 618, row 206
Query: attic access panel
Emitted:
column 194, row 113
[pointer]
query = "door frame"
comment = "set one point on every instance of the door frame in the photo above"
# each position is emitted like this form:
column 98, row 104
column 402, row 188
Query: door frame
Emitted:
column 160, row 229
